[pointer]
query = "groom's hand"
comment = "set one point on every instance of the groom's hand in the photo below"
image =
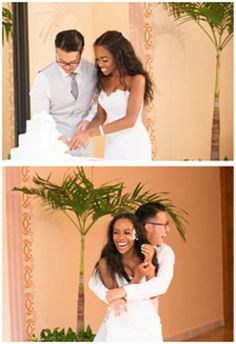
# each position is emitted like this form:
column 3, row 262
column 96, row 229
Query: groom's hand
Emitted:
column 63, row 139
column 116, row 293
column 118, row 306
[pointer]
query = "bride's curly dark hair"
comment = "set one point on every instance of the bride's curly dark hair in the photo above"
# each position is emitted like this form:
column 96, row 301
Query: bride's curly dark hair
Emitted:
column 113, row 257
column 127, row 61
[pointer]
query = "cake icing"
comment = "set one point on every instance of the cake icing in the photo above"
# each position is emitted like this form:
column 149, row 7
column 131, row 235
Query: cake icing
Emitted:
column 41, row 141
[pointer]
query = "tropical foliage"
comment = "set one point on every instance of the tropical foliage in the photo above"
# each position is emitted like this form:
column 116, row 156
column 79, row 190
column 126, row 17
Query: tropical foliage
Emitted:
column 215, row 19
column 61, row 335
column 83, row 203
column 6, row 24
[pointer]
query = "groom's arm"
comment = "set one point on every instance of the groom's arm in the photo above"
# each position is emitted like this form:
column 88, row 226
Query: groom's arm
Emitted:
column 154, row 287
column 157, row 285
column 91, row 112
column 99, row 289
column 40, row 94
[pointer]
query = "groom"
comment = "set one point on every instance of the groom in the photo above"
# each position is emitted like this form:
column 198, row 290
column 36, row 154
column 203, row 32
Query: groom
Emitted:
column 65, row 89
column 155, row 222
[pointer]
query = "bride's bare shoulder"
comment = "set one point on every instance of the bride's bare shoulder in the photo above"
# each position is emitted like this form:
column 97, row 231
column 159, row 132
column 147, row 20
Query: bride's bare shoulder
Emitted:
column 135, row 80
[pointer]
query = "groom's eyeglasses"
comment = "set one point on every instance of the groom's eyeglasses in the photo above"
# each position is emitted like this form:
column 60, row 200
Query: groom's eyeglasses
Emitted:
column 72, row 64
column 159, row 224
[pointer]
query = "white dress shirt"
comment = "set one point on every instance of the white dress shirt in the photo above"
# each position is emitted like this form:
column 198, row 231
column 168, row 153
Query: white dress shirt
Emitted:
column 154, row 287
column 51, row 92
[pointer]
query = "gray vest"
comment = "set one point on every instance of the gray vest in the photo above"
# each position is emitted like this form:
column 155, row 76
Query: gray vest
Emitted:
column 67, row 111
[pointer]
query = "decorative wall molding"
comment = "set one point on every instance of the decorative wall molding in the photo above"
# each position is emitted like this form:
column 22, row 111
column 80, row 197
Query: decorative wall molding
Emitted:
column 141, row 25
column 11, row 97
column 8, row 107
column 28, row 261
column 149, row 60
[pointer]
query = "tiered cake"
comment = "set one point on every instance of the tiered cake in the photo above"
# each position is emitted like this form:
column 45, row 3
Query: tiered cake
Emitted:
column 40, row 142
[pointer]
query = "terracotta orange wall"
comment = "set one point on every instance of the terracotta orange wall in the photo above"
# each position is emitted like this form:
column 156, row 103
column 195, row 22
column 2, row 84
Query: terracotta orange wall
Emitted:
column 6, row 321
column 195, row 296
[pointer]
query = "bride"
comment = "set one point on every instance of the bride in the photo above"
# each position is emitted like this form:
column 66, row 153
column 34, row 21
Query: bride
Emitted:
column 124, row 86
column 124, row 260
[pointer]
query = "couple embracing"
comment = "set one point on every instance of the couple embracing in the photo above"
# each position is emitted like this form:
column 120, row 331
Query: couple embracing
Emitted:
column 135, row 267
column 102, row 100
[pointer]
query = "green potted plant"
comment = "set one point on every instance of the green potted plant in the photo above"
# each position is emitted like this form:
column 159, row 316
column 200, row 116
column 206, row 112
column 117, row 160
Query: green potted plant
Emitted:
column 215, row 19
column 83, row 204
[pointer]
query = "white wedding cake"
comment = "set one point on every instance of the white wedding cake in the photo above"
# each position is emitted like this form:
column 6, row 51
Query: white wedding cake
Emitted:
column 40, row 142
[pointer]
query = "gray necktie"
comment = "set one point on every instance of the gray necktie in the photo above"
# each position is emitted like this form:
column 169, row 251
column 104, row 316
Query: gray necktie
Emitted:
column 74, row 85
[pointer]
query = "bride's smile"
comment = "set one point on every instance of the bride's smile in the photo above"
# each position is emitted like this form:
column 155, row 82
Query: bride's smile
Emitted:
column 105, row 61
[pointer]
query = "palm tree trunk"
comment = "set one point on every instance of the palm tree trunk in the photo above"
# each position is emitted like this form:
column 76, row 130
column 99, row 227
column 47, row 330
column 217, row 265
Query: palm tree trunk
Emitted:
column 80, row 304
column 215, row 131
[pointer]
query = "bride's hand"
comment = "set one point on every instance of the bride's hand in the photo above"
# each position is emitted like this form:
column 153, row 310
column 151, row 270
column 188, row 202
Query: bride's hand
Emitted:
column 146, row 269
column 148, row 251
column 78, row 140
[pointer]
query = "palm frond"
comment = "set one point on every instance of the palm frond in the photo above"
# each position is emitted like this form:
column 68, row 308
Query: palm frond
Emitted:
column 77, row 194
column 7, row 25
column 218, row 15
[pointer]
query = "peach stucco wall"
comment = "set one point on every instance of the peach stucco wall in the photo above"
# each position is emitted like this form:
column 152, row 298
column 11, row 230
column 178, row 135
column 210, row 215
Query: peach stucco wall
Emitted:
column 45, row 20
column 185, row 79
column 183, row 71
column 183, row 63
column 194, row 298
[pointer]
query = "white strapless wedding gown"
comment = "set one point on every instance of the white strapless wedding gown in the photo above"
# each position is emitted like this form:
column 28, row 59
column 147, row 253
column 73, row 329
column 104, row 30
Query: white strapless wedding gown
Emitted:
column 141, row 323
column 128, row 144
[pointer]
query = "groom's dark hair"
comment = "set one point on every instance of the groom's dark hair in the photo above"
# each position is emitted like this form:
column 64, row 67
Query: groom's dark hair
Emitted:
column 148, row 210
column 69, row 40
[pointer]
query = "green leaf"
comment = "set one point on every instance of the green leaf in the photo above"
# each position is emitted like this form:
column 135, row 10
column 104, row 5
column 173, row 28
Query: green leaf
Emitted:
column 218, row 16
column 77, row 195
column 84, row 204
column 34, row 338
column 6, row 23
